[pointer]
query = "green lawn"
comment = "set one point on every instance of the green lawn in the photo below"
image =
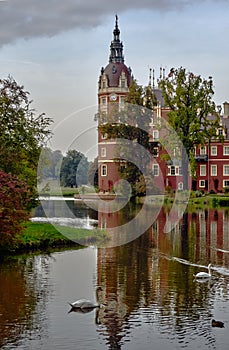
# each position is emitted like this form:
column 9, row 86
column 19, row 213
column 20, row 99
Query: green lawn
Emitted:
column 42, row 235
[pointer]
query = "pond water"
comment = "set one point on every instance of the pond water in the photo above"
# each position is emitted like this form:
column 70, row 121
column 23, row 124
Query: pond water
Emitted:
column 150, row 298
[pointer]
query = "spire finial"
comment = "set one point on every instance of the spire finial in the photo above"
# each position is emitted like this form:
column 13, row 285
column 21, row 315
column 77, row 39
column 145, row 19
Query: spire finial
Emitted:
column 150, row 77
column 116, row 47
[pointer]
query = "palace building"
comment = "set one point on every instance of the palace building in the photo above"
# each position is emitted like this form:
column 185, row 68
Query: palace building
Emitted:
column 212, row 173
column 113, row 86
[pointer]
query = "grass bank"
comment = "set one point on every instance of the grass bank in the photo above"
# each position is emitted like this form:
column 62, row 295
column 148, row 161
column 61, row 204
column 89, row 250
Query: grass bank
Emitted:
column 42, row 236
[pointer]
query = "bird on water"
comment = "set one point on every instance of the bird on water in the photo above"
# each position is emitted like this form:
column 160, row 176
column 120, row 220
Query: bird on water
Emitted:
column 85, row 304
column 204, row 274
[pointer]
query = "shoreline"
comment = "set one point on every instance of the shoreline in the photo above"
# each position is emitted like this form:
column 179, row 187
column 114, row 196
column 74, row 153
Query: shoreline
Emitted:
column 45, row 236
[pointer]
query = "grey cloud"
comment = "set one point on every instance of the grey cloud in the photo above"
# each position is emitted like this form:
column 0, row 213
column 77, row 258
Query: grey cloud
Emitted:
column 35, row 18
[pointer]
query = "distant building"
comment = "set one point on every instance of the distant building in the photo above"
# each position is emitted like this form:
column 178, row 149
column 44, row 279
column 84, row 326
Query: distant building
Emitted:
column 212, row 172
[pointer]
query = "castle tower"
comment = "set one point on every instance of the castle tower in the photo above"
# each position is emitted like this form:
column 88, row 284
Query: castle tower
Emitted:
column 113, row 85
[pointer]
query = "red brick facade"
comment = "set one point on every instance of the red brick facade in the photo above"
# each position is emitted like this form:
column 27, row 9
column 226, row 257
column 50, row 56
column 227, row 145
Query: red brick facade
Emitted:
column 212, row 173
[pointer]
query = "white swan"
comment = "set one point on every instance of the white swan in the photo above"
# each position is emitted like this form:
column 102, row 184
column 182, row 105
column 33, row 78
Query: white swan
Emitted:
column 204, row 274
column 84, row 304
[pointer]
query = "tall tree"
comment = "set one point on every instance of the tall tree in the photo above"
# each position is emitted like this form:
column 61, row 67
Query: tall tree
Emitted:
column 23, row 133
column 193, row 114
column 74, row 169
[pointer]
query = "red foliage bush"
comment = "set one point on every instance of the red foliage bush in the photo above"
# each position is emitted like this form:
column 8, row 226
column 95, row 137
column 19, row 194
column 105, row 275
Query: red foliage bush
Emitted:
column 14, row 199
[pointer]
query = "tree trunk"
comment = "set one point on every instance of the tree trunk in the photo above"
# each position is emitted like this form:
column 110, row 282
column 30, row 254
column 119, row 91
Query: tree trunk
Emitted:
column 185, row 170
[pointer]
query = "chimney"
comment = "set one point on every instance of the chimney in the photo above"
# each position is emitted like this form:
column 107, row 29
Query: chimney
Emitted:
column 226, row 109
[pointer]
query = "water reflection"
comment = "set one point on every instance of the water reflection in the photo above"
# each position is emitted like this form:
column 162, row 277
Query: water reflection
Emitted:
column 149, row 294
column 150, row 280
column 65, row 212
column 22, row 297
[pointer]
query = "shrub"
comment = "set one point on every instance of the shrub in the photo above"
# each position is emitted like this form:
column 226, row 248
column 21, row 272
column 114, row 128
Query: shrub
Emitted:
column 14, row 207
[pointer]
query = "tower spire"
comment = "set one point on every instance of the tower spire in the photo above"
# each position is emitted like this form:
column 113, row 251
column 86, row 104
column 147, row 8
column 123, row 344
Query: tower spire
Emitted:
column 116, row 47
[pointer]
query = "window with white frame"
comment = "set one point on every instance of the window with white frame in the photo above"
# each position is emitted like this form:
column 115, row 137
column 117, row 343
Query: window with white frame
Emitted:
column 220, row 131
column 180, row 186
column 176, row 152
column 155, row 170
column 213, row 170
column 214, row 150
column 202, row 150
column 171, row 170
column 226, row 170
column 225, row 183
column 103, row 224
column 104, row 101
column 155, row 134
column 123, row 83
column 104, row 170
column 104, row 136
column 226, row 150
column 202, row 170
column 103, row 152
column 202, row 183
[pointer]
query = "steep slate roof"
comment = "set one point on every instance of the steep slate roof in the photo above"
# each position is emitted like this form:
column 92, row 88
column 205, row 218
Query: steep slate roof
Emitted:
column 113, row 72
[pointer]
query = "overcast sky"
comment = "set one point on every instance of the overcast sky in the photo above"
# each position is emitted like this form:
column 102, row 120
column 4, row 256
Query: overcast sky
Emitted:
column 56, row 49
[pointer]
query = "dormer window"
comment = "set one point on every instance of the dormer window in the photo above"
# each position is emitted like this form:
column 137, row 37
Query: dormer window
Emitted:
column 123, row 83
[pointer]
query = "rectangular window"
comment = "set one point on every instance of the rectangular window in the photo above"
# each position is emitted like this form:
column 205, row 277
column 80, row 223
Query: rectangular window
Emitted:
column 214, row 150
column 220, row 131
column 176, row 152
column 122, row 101
column 103, row 152
column 226, row 170
column 155, row 170
column 226, row 150
column 225, row 183
column 104, row 101
column 202, row 170
column 155, row 151
column 104, row 136
column 213, row 170
column 104, row 170
column 171, row 170
column 202, row 183
column 202, row 150
column 123, row 83
column 155, row 135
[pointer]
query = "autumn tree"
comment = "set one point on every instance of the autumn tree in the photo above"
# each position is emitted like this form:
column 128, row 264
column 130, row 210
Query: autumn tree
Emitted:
column 193, row 114
column 14, row 207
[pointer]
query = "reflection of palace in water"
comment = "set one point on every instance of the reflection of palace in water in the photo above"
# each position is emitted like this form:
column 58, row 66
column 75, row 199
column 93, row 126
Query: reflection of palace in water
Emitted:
column 138, row 274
